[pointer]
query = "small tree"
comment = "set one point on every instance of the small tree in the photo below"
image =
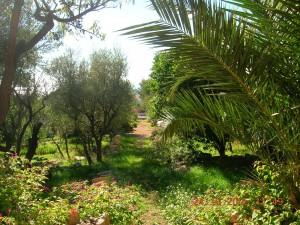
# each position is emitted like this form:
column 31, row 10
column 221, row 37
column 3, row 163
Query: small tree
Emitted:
column 95, row 96
column 27, row 104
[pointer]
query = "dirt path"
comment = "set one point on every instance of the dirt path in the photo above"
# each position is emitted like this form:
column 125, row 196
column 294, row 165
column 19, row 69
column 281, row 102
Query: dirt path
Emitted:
column 153, row 215
column 143, row 129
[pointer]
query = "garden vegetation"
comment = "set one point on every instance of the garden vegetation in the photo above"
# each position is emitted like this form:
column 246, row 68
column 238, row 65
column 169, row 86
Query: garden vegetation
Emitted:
column 221, row 144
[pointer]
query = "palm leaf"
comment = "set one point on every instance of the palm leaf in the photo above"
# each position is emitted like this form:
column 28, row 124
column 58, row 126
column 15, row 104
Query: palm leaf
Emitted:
column 248, row 55
column 220, row 47
column 209, row 41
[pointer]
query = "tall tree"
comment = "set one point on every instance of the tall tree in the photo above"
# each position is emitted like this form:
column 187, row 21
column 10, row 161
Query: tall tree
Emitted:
column 44, row 15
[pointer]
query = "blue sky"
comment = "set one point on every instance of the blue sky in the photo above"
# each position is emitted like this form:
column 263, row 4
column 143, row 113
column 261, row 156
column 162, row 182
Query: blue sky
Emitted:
column 139, row 55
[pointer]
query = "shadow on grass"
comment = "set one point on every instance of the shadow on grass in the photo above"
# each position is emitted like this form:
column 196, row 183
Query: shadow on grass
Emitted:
column 63, row 174
column 133, row 164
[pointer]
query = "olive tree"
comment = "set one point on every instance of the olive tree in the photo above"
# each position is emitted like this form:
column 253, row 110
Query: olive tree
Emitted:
column 94, row 93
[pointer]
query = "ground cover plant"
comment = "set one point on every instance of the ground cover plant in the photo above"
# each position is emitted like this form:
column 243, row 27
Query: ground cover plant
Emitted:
column 249, row 202
column 202, row 193
column 217, row 139
column 27, row 199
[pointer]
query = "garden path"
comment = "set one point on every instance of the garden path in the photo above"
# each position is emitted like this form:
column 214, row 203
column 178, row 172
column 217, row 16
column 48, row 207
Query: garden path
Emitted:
column 153, row 215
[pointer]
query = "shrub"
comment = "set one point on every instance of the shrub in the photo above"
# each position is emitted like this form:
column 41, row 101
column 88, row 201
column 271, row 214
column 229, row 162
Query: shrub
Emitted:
column 19, row 185
column 46, row 148
column 22, row 193
column 24, row 198
column 120, row 203
column 267, row 199
column 172, row 151
column 175, row 204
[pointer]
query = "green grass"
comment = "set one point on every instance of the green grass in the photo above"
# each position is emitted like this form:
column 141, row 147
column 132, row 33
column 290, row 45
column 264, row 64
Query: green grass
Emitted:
column 65, row 174
column 134, row 163
column 170, row 191
column 46, row 148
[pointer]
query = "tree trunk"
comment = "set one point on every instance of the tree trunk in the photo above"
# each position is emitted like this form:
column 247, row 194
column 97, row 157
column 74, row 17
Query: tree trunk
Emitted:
column 20, row 137
column 90, row 144
column 10, row 61
column 111, row 138
column 66, row 145
column 19, row 144
column 8, row 143
column 87, row 154
column 221, row 147
column 99, row 149
column 58, row 147
column 33, row 141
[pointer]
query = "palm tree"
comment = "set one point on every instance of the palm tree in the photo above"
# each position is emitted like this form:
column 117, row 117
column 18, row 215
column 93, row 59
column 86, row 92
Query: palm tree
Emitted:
column 247, row 52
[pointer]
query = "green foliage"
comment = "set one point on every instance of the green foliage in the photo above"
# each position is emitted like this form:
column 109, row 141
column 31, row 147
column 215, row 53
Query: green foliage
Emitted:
column 122, row 204
column 46, row 148
column 264, row 201
column 21, row 195
column 154, row 91
column 146, row 94
column 268, row 200
column 136, row 170
column 95, row 96
column 143, row 166
column 174, row 150
column 25, row 199
column 19, row 185
column 48, row 212
column 175, row 203
column 243, row 63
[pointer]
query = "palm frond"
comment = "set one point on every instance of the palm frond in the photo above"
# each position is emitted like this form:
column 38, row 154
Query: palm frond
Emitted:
column 244, row 62
column 220, row 47
column 193, row 109
column 276, row 28
column 208, row 40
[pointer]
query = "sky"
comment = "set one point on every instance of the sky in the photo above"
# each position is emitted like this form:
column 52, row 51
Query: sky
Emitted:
column 139, row 56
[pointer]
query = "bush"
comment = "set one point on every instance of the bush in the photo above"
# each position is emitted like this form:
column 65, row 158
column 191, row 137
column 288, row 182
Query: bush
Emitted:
column 19, row 185
column 173, row 150
column 268, row 200
column 22, row 193
column 46, row 148
column 175, row 203
column 121, row 204
column 24, row 198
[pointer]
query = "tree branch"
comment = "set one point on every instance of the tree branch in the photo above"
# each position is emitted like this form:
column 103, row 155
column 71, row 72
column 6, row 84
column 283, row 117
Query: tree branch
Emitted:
column 96, row 7
column 23, row 47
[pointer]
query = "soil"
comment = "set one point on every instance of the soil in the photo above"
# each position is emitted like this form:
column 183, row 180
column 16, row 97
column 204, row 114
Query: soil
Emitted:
column 153, row 215
column 143, row 129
